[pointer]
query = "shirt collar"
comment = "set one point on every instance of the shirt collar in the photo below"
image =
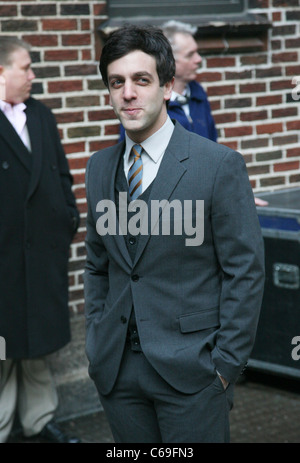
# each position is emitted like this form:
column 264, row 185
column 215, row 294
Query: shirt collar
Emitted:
column 156, row 144
column 6, row 107
column 186, row 92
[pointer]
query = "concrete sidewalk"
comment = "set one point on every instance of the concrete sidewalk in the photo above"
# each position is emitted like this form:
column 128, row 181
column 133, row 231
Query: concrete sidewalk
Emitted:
column 266, row 410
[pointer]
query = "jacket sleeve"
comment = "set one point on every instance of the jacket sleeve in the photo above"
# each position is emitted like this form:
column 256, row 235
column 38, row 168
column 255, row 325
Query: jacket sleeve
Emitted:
column 65, row 176
column 239, row 246
column 96, row 267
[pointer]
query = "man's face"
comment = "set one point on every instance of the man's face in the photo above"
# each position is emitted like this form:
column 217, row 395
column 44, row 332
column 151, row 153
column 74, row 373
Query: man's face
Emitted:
column 136, row 95
column 187, row 57
column 18, row 77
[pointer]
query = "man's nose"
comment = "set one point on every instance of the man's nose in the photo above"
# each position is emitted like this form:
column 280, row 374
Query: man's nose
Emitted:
column 198, row 58
column 31, row 75
column 129, row 91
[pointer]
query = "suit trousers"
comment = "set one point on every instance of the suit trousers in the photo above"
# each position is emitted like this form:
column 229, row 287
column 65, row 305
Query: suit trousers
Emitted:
column 26, row 386
column 143, row 408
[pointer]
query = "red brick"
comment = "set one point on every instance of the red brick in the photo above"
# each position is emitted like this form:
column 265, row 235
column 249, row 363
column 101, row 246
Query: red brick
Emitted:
column 231, row 144
column 294, row 179
column 252, row 88
column 78, row 178
column 80, row 192
column 78, row 163
column 238, row 131
column 224, row 118
column 65, row 86
column 254, row 116
column 101, row 115
column 100, row 9
column 85, row 24
column 292, row 70
column 272, row 181
column 112, row 129
column 66, row 118
column 285, row 140
column 86, row 55
column 284, row 112
column 286, row 166
column 220, row 62
column 221, row 90
column 61, row 55
column 8, row 10
column 59, row 24
column 285, row 57
column 258, row 170
column 269, row 128
column 215, row 105
column 76, row 39
column 293, row 152
column 276, row 16
column 268, row 100
column 46, row 40
column 293, row 125
column 101, row 144
column 71, row 148
column 253, row 60
column 209, row 77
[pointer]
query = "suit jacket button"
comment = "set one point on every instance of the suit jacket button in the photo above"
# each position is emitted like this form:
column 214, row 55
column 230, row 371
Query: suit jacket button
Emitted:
column 123, row 319
column 5, row 165
column 135, row 278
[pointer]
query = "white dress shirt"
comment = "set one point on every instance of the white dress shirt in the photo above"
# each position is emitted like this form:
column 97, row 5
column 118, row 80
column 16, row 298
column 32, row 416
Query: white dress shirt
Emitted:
column 154, row 148
column 17, row 117
column 177, row 96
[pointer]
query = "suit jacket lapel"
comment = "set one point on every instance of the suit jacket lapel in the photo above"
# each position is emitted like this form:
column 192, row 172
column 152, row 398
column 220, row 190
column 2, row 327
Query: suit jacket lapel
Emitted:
column 170, row 172
column 108, row 192
column 12, row 138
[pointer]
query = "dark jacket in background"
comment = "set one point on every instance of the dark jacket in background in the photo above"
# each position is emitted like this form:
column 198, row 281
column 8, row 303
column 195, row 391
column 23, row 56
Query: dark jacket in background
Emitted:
column 38, row 219
column 201, row 121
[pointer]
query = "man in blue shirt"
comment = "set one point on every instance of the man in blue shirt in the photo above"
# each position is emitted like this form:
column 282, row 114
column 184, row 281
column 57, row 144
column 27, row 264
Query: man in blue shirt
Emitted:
column 189, row 104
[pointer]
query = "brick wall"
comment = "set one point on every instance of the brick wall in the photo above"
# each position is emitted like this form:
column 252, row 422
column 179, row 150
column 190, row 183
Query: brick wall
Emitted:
column 250, row 94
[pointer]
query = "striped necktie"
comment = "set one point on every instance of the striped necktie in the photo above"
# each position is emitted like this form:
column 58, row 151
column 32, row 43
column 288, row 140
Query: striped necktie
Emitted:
column 135, row 173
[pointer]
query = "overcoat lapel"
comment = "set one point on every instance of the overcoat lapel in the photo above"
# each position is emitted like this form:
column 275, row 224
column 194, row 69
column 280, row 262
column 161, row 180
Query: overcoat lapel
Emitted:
column 35, row 133
column 14, row 141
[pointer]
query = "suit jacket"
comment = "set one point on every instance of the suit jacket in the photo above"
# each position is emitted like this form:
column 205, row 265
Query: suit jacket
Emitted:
column 196, row 307
column 38, row 219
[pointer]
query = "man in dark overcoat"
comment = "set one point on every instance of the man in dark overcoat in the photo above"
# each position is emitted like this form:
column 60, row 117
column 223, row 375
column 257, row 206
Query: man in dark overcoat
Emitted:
column 38, row 219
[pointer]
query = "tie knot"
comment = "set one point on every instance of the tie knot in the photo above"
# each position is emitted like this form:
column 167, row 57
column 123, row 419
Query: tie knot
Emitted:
column 136, row 151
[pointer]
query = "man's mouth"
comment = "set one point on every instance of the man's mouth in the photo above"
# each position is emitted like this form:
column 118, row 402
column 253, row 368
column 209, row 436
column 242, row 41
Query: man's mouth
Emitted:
column 131, row 111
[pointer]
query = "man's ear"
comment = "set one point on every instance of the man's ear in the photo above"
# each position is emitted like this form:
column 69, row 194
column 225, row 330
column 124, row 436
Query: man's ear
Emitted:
column 168, row 87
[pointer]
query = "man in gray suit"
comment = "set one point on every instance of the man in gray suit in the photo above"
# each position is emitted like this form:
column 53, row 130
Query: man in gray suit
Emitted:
column 173, row 279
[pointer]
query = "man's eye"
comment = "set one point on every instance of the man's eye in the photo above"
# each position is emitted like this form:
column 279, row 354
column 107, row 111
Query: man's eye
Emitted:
column 143, row 81
column 116, row 83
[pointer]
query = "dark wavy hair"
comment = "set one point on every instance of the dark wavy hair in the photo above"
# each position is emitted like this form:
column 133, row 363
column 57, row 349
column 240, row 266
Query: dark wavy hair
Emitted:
column 148, row 39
